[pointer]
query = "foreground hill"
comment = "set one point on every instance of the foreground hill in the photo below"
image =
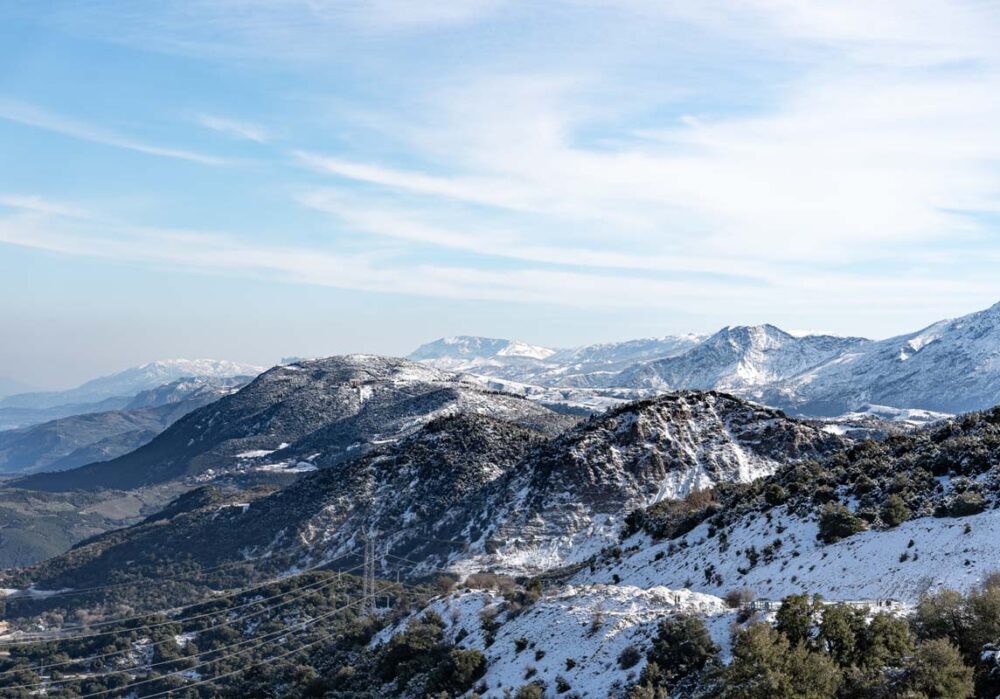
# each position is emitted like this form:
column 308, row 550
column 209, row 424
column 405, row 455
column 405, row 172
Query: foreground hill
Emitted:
column 297, row 417
column 889, row 519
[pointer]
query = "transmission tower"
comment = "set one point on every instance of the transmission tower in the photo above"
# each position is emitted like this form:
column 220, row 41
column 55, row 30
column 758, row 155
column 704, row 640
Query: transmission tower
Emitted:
column 368, row 582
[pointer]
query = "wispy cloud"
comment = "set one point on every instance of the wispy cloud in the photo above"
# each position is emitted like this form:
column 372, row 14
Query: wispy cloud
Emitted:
column 38, row 118
column 237, row 128
column 40, row 205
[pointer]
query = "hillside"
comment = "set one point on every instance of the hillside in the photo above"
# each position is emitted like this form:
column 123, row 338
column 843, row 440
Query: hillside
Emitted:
column 919, row 510
column 313, row 413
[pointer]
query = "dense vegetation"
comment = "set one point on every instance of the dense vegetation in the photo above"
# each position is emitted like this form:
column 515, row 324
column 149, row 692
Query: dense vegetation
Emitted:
column 283, row 636
column 946, row 650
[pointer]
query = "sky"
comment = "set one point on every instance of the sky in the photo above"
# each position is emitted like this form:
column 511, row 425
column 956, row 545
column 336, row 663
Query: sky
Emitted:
column 253, row 179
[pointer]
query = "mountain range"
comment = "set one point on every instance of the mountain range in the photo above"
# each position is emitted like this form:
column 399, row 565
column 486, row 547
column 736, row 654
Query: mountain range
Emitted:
column 572, row 533
column 77, row 440
column 112, row 392
column 819, row 375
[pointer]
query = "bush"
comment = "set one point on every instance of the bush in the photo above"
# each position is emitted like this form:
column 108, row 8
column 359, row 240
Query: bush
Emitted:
column 736, row 599
column 895, row 511
column 836, row 522
column 775, row 495
column 669, row 519
column 965, row 504
column 530, row 691
column 937, row 670
column 682, row 648
column 629, row 657
column 463, row 668
column 766, row 666
column 795, row 617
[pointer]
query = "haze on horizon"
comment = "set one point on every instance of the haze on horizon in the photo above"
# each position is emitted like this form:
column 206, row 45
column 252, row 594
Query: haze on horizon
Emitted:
column 250, row 180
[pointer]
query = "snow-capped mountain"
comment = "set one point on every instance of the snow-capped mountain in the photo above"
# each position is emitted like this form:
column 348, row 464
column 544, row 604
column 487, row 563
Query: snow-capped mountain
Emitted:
column 741, row 359
column 951, row 366
column 465, row 351
column 610, row 356
column 127, row 383
column 519, row 362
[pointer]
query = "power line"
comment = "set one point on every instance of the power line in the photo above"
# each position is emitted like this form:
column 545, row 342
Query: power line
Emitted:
column 236, row 593
column 302, row 592
column 269, row 660
column 43, row 595
column 230, row 655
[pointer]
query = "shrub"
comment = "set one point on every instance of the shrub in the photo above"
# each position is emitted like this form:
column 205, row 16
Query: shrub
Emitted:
column 937, row 670
column 836, row 522
column 794, row 618
column 766, row 666
column 530, row 691
column 669, row 519
column 964, row 504
column 775, row 495
column 629, row 657
column 735, row 599
column 682, row 647
column 894, row 511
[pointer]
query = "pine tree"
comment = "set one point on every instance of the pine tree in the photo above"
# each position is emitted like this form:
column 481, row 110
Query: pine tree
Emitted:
column 937, row 671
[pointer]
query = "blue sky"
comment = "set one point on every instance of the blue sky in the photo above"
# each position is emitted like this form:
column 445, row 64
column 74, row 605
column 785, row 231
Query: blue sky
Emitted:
column 250, row 179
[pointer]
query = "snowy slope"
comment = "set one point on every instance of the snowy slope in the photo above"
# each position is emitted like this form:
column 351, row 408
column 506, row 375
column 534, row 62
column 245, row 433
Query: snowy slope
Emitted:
column 949, row 367
column 464, row 352
column 739, row 359
column 520, row 362
column 952, row 366
column 575, row 633
column 863, row 566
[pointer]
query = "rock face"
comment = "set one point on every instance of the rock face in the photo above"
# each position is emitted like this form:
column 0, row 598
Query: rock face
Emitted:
column 313, row 413
column 570, row 498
